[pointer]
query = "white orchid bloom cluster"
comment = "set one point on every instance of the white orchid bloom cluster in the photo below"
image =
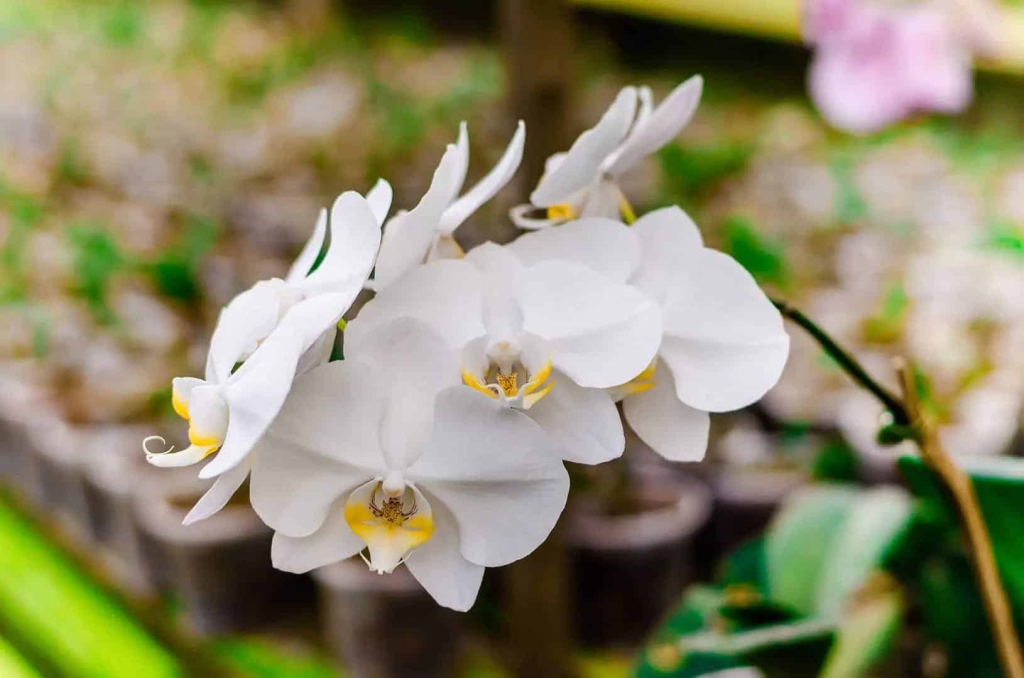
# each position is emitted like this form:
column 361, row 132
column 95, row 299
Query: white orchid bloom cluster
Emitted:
column 438, row 441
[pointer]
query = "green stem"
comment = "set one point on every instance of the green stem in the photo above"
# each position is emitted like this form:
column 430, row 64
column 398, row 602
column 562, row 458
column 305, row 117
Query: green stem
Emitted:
column 847, row 362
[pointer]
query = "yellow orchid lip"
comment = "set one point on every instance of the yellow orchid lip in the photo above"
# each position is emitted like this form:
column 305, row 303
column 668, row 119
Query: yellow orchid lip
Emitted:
column 561, row 212
column 390, row 526
column 179, row 405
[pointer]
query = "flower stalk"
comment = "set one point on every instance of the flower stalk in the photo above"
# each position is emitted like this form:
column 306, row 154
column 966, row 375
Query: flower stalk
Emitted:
column 961, row 491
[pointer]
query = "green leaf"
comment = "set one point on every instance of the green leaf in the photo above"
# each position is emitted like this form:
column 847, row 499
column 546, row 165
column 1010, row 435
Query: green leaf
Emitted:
column 861, row 545
column 799, row 540
column 257, row 658
column 62, row 618
column 13, row 665
column 866, row 634
column 97, row 258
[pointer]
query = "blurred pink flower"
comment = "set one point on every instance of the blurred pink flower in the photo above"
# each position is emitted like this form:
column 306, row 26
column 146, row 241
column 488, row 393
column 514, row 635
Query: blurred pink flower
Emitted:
column 875, row 63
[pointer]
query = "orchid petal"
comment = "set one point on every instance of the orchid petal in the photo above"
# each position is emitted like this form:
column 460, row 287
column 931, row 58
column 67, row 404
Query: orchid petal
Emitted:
column 668, row 239
column 446, row 294
column 219, row 494
column 181, row 392
column 310, row 251
column 416, row 230
column 355, row 239
column 334, row 541
column 671, row 428
column 600, row 333
column 581, row 165
column 497, row 472
column 608, row 247
column 246, row 320
column 255, row 394
column 379, row 199
column 584, row 421
column 661, row 127
column 500, row 270
column 439, row 566
column 487, row 187
column 518, row 215
column 725, row 349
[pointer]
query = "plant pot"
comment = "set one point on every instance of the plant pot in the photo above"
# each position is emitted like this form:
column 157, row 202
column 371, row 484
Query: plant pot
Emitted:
column 385, row 626
column 627, row 570
column 113, row 469
column 220, row 567
column 746, row 498
column 60, row 451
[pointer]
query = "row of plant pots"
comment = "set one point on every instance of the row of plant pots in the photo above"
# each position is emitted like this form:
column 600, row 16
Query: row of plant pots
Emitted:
column 626, row 569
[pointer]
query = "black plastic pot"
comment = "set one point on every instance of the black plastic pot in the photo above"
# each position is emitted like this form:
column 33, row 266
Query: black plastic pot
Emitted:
column 220, row 567
column 385, row 626
column 746, row 498
column 627, row 570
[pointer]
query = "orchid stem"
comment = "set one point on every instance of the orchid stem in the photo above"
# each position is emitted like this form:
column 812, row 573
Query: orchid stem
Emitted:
column 846, row 361
column 959, row 487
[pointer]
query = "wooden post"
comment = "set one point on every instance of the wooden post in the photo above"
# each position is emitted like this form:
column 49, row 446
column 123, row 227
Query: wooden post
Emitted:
column 538, row 51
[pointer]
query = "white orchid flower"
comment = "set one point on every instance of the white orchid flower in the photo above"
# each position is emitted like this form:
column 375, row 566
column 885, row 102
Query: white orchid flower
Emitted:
column 229, row 411
column 426, row 233
column 583, row 182
column 389, row 452
column 724, row 343
column 251, row 316
column 545, row 339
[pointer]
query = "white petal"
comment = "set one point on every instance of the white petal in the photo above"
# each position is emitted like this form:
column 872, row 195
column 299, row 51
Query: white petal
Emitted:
column 334, row 541
column 663, row 125
column 462, row 168
column 500, row 270
column 581, row 165
column 417, row 229
column 603, row 200
column 219, row 494
column 355, row 239
column 310, row 251
column 489, row 186
column 447, row 295
column 668, row 240
column 181, row 392
column 724, row 341
column 379, row 199
column 417, row 364
column 671, row 428
column 498, row 473
column 208, row 414
column 600, row 333
column 255, row 394
column 609, row 247
column 247, row 319
column 518, row 215
column 584, row 421
column 319, row 353
column 439, row 566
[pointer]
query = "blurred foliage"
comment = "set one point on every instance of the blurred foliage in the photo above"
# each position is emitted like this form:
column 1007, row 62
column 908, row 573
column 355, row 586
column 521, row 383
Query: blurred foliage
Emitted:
column 257, row 658
column 175, row 271
column 836, row 462
column 13, row 665
column 806, row 595
column 760, row 254
column 62, row 619
column 688, row 171
column 887, row 325
column 1006, row 237
column 97, row 258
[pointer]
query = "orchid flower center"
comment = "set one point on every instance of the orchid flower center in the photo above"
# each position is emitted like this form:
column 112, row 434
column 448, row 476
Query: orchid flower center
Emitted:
column 502, row 378
column 392, row 518
column 562, row 212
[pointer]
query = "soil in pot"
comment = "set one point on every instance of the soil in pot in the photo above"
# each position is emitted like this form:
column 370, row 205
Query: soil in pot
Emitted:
column 220, row 567
column 630, row 565
column 385, row 626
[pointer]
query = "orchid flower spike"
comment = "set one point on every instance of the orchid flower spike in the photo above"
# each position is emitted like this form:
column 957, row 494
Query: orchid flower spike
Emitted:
column 583, row 181
column 876, row 63
column 426, row 233
column 270, row 331
column 388, row 453
column 723, row 343
column 545, row 339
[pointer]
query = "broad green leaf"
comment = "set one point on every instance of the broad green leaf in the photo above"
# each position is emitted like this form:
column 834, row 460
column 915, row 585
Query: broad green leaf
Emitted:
column 799, row 541
column 866, row 634
column 63, row 619
column 13, row 665
column 746, row 565
column 876, row 519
